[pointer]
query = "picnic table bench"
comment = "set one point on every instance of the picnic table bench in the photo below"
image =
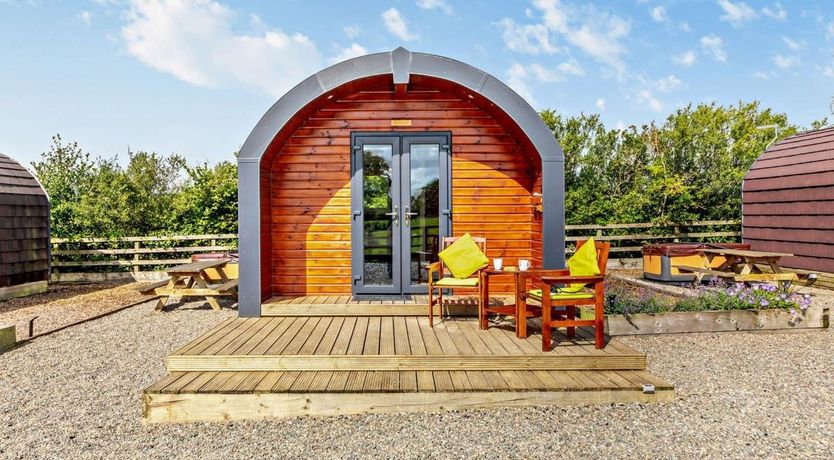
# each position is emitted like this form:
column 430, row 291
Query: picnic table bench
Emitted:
column 741, row 265
column 193, row 280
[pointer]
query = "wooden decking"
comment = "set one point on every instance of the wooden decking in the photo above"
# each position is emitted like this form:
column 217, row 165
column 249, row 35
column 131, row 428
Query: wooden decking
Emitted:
column 409, row 305
column 327, row 365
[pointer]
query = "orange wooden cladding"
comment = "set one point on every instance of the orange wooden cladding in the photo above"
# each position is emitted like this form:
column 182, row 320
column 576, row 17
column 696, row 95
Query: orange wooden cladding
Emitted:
column 306, row 181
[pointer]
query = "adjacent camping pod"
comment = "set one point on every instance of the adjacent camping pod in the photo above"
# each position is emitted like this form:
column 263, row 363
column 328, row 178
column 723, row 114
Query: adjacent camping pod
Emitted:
column 788, row 201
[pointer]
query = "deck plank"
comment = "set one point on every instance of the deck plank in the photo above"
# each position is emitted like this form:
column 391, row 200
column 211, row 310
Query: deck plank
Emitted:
column 408, row 381
column 338, row 381
column 386, row 336
column 286, row 336
column 211, row 332
column 425, row 381
column 330, row 336
column 401, row 344
column 304, row 335
column 316, row 336
column 372, row 337
column 415, row 337
column 357, row 340
column 355, row 381
column 340, row 346
column 194, row 385
column 255, row 340
column 230, row 337
column 264, row 345
column 194, row 348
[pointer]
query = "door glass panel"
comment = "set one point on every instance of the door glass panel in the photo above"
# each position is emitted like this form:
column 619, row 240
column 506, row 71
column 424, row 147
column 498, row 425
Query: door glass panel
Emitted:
column 377, row 203
column 424, row 207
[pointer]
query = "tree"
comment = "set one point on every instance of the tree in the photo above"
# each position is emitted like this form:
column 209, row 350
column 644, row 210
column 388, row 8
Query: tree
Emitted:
column 207, row 203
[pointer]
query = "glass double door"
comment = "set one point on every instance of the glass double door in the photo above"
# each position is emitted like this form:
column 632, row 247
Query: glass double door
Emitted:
column 399, row 209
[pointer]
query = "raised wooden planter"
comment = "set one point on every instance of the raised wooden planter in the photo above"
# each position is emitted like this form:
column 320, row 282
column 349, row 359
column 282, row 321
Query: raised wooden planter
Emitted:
column 714, row 321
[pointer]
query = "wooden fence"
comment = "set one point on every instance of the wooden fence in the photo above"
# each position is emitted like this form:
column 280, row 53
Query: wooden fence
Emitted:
column 150, row 253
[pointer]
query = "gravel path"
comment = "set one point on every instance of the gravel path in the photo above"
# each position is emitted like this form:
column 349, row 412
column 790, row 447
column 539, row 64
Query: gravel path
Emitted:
column 76, row 394
column 65, row 304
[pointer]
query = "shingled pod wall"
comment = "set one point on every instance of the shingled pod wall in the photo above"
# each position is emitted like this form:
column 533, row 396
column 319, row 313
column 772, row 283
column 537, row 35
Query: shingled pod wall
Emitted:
column 788, row 201
column 24, row 232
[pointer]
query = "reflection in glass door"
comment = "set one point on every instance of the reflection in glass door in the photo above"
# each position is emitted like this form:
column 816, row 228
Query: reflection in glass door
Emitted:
column 401, row 210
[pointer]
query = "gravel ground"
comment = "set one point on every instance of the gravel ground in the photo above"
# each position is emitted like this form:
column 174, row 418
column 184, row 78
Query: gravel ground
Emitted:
column 76, row 394
column 65, row 304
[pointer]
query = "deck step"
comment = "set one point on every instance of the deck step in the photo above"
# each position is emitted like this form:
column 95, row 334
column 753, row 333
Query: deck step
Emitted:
column 224, row 396
column 486, row 362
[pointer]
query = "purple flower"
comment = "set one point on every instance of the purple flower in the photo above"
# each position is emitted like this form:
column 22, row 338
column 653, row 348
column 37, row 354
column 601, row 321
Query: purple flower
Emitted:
column 764, row 303
column 793, row 312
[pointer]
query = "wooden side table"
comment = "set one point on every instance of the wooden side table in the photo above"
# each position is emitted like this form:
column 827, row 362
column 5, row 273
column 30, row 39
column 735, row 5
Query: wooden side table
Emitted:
column 506, row 310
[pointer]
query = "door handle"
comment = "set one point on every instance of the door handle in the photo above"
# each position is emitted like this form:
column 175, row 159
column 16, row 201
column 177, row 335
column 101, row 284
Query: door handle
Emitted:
column 408, row 215
column 395, row 216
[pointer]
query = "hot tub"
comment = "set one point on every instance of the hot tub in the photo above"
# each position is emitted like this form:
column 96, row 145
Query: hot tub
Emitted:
column 658, row 259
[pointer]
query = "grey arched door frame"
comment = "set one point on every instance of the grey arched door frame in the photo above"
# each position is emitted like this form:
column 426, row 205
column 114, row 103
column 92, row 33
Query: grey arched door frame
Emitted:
column 401, row 64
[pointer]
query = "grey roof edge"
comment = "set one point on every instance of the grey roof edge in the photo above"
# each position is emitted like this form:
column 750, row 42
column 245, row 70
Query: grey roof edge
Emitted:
column 401, row 63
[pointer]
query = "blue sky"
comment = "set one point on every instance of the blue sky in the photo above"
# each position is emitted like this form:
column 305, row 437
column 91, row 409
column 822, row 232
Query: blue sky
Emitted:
column 194, row 76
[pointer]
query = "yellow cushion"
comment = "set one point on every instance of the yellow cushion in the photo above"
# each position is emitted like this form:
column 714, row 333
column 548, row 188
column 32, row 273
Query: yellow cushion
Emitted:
column 463, row 257
column 582, row 263
column 455, row 282
column 537, row 294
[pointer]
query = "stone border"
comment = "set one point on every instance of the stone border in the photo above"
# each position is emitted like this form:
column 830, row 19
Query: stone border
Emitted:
column 680, row 322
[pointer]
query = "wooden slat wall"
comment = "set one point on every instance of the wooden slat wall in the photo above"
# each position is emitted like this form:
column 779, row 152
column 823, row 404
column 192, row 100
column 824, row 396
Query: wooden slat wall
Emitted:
column 789, row 201
column 309, row 227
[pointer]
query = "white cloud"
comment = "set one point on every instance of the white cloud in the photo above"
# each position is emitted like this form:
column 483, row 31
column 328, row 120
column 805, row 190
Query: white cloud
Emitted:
column 684, row 26
column 777, row 12
column 761, row 75
column 713, row 45
column 647, row 98
column 198, row 42
column 792, row 44
column 668, row 84
column 571, row 67
column 352, row 51
column 85, row 17
column 352, row 31
column 658, row 13
column 828, row 71
column 829, row 31
column 687, row 58
column 785, row 62
column 600, row 104
column 736, row 13
column 435, row 4
column 597, row 33
column 647, row 94
column 529, row 38
column 397, row 25
column 517, row 77
column 520, row 76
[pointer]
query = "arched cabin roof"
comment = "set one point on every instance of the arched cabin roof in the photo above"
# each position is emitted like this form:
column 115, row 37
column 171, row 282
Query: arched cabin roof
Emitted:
column 788, row 200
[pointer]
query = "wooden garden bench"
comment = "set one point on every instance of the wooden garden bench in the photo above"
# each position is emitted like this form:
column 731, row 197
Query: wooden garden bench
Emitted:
column 192, row 280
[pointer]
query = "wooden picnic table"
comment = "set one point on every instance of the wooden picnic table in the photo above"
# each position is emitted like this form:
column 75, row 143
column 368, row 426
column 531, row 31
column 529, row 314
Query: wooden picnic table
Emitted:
column 741, row 265
column 193, row 280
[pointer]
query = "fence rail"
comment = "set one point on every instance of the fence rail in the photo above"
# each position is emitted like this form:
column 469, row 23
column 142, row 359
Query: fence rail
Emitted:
column 131, row 253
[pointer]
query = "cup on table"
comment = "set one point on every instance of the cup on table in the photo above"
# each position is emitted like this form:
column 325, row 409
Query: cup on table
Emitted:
column 523, row 264
column 498, row 263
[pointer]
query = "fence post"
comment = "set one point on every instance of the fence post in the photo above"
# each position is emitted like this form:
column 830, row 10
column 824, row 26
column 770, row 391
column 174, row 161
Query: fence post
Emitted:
column 136, row 246
column 677, row 233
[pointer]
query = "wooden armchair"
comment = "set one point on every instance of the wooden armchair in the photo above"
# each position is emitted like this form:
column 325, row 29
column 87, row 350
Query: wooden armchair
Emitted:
column 444, row 281
column 559, row 309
